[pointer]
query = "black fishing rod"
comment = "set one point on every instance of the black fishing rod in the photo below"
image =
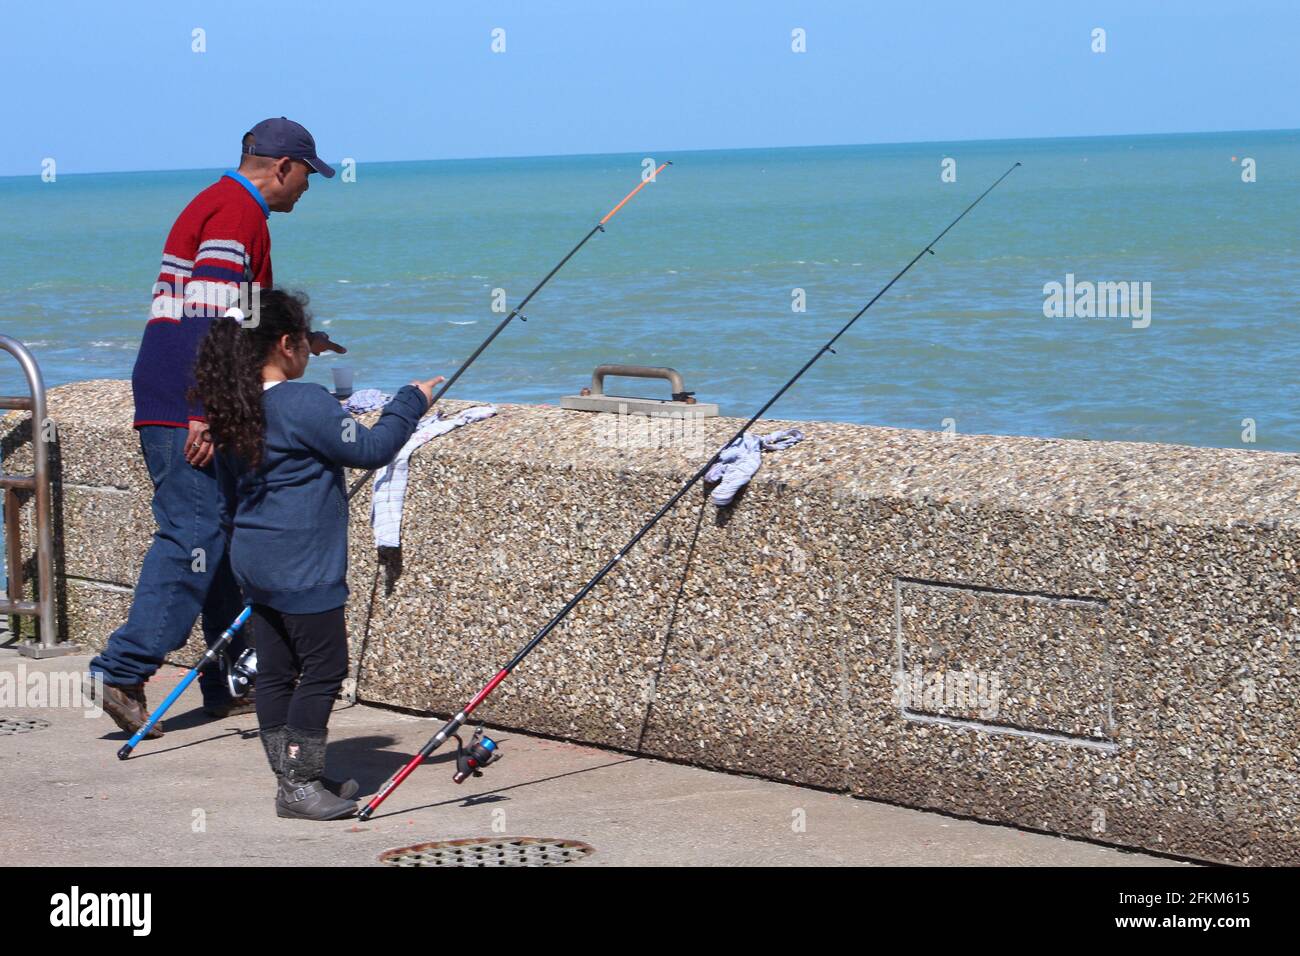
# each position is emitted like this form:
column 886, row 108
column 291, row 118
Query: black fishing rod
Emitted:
column 482, row 750
column 517, row 311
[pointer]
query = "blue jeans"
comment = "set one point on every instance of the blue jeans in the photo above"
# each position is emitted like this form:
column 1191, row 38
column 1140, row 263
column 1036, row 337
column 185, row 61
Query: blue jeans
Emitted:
column 186, row 571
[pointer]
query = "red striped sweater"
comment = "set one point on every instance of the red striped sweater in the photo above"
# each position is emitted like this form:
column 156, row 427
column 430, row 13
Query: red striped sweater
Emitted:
column 218, row 245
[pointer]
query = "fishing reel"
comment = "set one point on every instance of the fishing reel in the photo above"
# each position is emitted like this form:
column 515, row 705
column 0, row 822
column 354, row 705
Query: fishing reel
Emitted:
column 241, row 674
column 482, row 750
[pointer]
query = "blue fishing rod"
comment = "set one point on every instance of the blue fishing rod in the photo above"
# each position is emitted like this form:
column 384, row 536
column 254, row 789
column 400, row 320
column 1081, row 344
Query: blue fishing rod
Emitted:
column 216, row 650
column 243, row 672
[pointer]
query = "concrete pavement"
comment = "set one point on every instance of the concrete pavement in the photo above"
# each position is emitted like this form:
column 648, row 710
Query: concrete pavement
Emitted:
column 202, row 796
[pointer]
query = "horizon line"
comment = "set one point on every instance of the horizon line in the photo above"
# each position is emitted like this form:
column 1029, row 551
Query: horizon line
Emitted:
column 714, row 149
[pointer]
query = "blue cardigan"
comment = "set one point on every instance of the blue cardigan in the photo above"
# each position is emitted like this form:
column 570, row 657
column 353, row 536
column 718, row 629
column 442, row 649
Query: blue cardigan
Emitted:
column 288, row 519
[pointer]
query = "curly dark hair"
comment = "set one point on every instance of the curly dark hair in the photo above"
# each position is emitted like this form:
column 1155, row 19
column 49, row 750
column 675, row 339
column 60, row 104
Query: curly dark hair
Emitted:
column 228, row 371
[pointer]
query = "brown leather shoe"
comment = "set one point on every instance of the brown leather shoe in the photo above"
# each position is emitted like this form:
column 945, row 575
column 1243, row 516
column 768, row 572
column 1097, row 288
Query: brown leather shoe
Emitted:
column 233, row 706
column 128, row 708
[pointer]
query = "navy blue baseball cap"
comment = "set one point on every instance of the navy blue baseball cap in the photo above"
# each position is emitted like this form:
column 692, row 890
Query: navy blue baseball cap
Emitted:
column 284, row 137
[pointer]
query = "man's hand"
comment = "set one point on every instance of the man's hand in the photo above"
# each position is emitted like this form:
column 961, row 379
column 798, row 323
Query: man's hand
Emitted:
column 320, row 342
column 198, row 445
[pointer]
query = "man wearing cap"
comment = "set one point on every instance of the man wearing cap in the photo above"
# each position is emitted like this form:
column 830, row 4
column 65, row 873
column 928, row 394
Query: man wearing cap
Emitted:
column 217, row 256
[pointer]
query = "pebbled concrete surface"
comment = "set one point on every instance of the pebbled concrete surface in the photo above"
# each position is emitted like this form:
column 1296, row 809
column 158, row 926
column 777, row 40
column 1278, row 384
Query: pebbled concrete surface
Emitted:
column 1061, row 635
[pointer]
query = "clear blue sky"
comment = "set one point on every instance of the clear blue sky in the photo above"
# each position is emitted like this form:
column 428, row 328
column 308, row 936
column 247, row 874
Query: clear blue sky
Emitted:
column 114, row 86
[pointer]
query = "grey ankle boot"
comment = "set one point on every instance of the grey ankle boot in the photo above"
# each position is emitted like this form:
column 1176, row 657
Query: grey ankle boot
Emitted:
column 302, row 793
column 273, row 742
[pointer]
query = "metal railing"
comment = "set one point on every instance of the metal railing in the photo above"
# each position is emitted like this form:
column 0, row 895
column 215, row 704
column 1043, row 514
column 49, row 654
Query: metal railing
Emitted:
column 681, row 405
column 37, row 482
column 670, row 375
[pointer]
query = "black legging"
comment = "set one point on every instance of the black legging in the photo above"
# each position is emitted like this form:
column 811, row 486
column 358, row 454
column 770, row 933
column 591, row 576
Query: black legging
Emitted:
column 301, row 662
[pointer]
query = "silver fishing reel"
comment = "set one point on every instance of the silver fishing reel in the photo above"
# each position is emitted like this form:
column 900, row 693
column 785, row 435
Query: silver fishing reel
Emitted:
column 242, row 674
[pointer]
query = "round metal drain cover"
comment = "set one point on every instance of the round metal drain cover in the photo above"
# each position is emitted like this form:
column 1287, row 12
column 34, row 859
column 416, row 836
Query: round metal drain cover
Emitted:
column 21, row 725
column 485, row 851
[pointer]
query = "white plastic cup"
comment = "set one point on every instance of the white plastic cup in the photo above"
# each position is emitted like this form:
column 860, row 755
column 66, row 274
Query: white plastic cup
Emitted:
column 342, row 380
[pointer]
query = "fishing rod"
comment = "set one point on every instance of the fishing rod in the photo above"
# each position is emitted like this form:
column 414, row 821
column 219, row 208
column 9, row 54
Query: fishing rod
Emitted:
column 518, row 310
column 244, row 671
column 211, row 654
column 483, row 749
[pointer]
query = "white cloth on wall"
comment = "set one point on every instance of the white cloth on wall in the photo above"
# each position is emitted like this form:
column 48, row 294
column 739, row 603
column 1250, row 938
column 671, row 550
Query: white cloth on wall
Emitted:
column 390, row 481
column 739, row 462
column 366, row 400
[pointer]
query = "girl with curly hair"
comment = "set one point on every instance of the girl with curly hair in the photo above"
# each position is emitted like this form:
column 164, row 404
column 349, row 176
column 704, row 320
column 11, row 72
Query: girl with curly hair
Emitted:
column 282, row 447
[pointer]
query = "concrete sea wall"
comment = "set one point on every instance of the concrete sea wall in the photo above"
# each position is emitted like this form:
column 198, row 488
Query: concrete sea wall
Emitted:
column 1094, row 639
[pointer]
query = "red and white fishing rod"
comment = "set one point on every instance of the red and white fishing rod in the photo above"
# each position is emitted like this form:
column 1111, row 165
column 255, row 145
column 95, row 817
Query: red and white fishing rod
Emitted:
column 479, row 753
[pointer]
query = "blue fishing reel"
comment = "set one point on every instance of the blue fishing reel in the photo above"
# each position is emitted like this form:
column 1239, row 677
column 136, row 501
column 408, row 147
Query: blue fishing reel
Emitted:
column 471, row 760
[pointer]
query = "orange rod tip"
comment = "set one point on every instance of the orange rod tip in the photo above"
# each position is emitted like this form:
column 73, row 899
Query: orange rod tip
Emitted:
column 610, row 215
